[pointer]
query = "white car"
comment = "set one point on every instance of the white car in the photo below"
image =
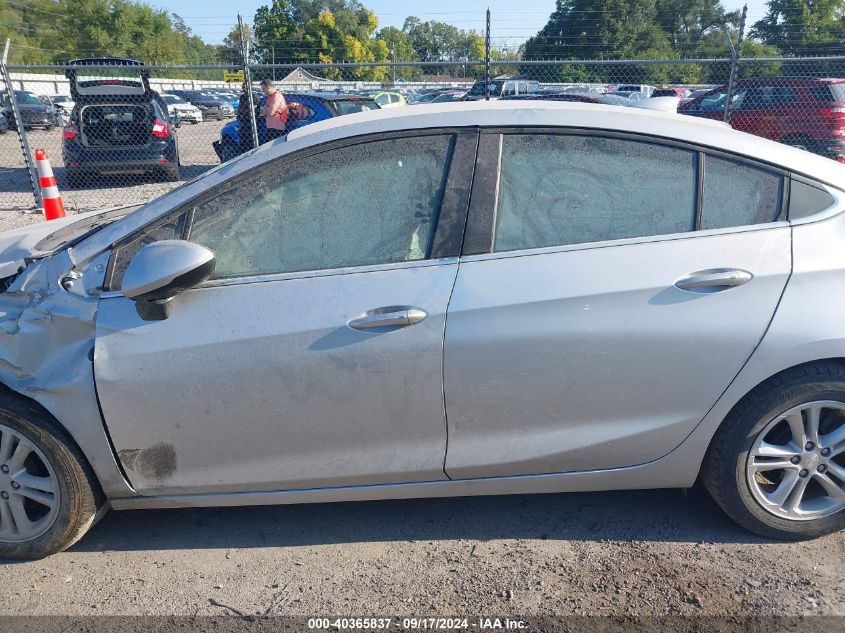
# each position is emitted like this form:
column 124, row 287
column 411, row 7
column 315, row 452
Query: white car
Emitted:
column 178, row 107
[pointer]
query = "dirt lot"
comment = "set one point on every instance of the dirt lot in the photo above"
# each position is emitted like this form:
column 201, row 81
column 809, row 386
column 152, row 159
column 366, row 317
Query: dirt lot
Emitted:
column 641, row 553
column 195, row 152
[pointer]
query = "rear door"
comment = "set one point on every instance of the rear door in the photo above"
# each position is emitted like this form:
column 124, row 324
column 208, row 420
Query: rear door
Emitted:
column 610, row 290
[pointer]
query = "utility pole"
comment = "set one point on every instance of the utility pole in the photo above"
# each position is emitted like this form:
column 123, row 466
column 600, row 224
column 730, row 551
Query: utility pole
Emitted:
column 393, row 57
column 248, row 79
column 736, row 52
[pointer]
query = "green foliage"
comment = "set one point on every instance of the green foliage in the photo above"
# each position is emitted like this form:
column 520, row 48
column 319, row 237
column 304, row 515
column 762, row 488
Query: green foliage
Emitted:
column 50, row 31
column 803, row 27
column 325, row 32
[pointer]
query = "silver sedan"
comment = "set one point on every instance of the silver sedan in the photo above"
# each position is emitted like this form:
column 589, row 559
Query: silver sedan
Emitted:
column 461, row 299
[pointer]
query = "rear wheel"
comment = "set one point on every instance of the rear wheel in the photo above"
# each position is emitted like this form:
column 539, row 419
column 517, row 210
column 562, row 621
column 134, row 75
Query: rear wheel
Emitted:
column 48, row 497
column 777, row 463
column 228, row 150
column 172, row 174
column 75, row 180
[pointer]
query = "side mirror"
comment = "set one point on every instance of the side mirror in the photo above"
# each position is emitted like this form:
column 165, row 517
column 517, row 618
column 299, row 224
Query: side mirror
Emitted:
column 175, row 121
column 160, row 271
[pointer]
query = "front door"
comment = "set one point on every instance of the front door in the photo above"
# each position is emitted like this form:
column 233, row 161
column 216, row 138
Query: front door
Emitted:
column 612, row 304
column 313, row 358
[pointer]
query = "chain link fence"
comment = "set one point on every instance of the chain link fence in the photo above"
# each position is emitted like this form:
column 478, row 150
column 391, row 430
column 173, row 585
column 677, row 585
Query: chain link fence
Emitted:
column 113, row 148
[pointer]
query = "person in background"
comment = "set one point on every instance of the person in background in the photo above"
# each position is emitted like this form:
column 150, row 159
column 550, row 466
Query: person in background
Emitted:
column 243, row 118
column 275, row 110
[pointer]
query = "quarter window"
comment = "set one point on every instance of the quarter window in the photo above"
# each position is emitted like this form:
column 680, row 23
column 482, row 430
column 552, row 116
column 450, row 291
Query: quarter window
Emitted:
column 736, row 194
column 372, row 203
column 560, row 189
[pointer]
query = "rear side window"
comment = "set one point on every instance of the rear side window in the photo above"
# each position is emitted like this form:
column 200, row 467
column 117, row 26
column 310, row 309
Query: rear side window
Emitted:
column 354, row 105
column 736, row 194
column 558, row 189
column 767, row 97
column 806, row 200
column 829, row 92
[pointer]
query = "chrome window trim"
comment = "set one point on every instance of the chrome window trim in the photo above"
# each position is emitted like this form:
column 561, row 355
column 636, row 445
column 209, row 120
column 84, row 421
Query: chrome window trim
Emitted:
column 310, row 274
column 648, row 239
column 835, row 209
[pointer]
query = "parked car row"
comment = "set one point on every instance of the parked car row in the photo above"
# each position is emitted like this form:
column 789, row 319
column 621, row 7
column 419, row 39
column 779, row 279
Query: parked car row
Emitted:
column 303, row 109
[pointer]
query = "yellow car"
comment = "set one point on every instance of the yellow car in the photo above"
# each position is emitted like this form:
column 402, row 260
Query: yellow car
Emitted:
column 389, row 99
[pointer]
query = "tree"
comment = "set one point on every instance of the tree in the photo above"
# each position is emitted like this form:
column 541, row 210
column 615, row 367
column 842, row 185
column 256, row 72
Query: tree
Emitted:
column 689, row 23
column 229, row 52
column 321, row 31
column 46, row 31
column 593, row 29
column 803, row 27
column 440, row 42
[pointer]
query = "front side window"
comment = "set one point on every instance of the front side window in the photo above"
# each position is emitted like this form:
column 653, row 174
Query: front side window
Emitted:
column 559, row 189
column 372, row 203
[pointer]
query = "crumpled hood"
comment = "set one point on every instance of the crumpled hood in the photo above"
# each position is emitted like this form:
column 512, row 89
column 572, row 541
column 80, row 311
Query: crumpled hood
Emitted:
column 21, row 245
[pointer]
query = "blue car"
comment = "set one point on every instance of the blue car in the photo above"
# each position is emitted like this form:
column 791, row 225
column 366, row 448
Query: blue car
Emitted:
column 303, row 109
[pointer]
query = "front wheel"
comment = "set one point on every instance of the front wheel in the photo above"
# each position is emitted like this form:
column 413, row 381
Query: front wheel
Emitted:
column 47, row 491
column 777, row 463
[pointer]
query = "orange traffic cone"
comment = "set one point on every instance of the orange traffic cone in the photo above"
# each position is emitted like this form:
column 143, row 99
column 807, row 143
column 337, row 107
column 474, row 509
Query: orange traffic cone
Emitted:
column 53, row 206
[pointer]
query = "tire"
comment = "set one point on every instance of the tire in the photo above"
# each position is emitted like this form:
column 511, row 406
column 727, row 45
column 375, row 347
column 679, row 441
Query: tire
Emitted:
column 228, row 150
column 78, row 493
column 75, row 180
column 725, row 471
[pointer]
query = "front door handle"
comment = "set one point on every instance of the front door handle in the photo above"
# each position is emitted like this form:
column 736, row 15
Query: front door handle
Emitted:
column 714, row 280
column 393, row 317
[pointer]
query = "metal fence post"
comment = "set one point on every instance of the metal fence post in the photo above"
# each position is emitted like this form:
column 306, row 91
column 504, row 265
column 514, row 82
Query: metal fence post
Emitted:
column 24, row 142
column 736, row 53
column 487, row 59
column 248, row 80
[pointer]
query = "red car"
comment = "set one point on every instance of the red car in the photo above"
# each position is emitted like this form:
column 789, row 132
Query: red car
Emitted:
column 799, row 111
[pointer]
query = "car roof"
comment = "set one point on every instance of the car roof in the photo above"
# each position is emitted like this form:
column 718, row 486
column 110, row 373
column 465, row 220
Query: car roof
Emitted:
column 542, row 113
column 790, row 80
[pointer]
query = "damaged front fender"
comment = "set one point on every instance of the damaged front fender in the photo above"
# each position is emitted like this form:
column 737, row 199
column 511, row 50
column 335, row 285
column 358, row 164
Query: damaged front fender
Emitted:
column 47, row 339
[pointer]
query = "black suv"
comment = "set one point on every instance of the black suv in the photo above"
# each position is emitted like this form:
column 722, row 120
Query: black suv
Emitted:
column 33, row 111
column 117, row 126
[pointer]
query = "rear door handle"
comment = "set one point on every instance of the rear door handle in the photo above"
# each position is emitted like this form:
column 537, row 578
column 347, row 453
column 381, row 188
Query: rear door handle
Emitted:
column 394, row 316
column 714, row 280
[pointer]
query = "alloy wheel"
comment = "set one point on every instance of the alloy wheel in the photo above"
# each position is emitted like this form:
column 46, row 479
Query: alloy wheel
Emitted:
column 29, row 490
column 796, row 465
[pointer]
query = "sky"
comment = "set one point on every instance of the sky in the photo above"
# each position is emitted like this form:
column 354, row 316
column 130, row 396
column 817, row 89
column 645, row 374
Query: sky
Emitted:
column 513, row 21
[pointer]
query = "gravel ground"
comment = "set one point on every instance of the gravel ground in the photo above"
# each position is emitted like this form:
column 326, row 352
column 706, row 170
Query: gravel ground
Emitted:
column 195, row 153
column 634, row 553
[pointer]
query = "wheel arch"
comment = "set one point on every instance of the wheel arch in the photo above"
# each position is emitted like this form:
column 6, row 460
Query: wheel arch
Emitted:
column 23, row 405
column 749, row 394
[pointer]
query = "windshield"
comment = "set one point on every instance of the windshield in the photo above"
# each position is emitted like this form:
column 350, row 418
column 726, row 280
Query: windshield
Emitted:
column 79, row 230
column 26, row 98
column 61, row 99
column 353, row 106
column 172, row 99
